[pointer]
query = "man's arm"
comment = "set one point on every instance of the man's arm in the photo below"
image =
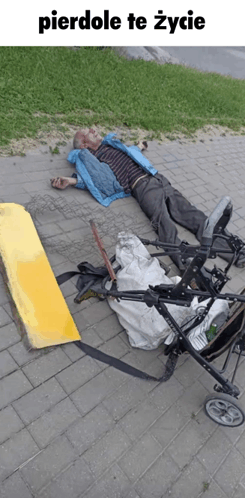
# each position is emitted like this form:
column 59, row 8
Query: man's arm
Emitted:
column 62, row 182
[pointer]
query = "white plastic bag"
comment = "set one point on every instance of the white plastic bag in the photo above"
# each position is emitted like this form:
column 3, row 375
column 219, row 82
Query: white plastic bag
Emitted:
column 145, row 327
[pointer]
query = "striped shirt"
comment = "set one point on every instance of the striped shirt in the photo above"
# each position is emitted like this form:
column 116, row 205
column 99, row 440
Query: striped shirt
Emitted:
column 124, row 168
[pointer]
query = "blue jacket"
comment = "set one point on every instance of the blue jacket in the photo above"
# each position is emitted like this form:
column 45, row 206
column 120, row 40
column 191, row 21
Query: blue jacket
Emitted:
column 97, row 177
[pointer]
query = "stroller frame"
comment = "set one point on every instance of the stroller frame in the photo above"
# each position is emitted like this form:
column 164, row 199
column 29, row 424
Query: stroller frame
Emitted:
column 223, row 407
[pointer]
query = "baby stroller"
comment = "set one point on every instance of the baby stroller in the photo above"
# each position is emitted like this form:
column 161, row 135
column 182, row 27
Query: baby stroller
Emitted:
column 222, row 406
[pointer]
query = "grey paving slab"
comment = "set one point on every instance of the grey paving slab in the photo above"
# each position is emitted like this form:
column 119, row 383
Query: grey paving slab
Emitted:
column 89, row 336
column 4, row 317
column 239, row 493
column 231, row 472
column 77, row 374
column 85, row 431
column 192, row 482
column 48, row 463
column 14, row 189
column 164, row 395
column 22, row 355
column 33, row 404
column 140, row 456
column 97, row 312
column 239, row 439
column 54, row 422
column 124, row 399
column 106, row 450
column 80, row 320
column 72, row 351
column 46, row 366
column 114, row 484
column 15, row 452
column 93, row 393
column 212, row 490
column 139, row 358
column 12, row 387
column 14, row 487
column 158, row 478
column 115, row 347
column 212, row 453
column 72, row 482
column 10, row 423
column 195, row 437
column 168, row 425
column 7, row 364
column 9, row 336
column 7, row 308
column 191, row 369
column 143, row 417
column 49, row 230
column 192, row 399
column 132, row 494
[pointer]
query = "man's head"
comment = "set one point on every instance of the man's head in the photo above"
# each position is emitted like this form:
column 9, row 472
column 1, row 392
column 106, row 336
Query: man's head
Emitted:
column 85, row 138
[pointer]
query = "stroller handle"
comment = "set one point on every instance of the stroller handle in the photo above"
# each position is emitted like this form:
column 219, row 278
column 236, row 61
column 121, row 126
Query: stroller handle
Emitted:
column 224, row 208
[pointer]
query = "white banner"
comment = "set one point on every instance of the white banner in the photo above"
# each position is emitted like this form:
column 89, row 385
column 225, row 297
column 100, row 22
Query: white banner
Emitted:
column 93, row 23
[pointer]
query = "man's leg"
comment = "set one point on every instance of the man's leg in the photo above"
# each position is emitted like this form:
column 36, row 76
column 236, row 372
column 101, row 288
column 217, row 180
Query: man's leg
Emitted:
column 193, row 219
column 151, row 194
column 162, row 204
column 183, row 212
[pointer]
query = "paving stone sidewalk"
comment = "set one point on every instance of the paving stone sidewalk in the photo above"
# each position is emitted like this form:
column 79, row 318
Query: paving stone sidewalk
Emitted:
column 73, row 427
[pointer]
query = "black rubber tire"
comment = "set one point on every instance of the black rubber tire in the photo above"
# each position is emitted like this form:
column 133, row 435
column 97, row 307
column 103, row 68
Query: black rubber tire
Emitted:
column 224, row 410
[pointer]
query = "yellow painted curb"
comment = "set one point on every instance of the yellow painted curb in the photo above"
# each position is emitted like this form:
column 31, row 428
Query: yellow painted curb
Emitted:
column 40, row 304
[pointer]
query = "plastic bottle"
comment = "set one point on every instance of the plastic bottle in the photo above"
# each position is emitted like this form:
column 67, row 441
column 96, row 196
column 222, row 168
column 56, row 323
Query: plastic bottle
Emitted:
column 211, row 333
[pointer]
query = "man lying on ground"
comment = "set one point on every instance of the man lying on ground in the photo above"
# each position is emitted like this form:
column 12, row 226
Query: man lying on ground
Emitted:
column 110, row 170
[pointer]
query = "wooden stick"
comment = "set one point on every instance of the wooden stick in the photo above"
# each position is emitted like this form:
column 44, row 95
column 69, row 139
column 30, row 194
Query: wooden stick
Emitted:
column 103, row 252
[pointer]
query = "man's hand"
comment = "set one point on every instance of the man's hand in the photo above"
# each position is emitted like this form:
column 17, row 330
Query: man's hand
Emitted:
column 62, row 182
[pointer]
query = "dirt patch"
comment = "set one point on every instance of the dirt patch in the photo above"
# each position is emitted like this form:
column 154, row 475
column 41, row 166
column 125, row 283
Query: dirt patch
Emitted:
column 55, row 137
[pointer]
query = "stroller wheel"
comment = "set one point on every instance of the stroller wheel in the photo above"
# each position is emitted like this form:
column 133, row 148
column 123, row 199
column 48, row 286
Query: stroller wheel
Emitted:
column 224, row 410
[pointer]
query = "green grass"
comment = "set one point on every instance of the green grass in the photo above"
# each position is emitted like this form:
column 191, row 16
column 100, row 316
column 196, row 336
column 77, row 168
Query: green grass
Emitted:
column 40, row 86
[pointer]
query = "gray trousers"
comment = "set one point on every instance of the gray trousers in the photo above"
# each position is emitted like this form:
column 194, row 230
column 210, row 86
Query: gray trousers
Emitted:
column 164, row 205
